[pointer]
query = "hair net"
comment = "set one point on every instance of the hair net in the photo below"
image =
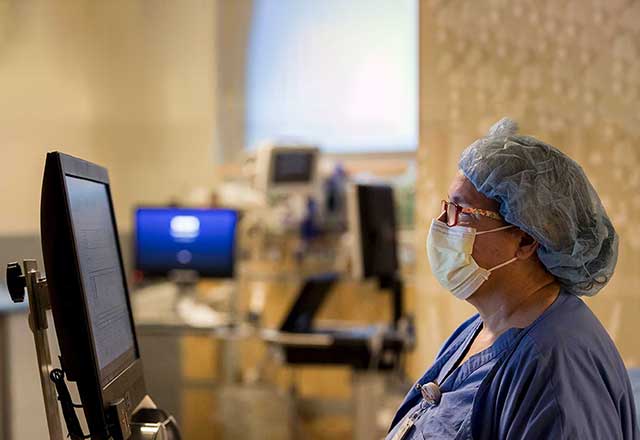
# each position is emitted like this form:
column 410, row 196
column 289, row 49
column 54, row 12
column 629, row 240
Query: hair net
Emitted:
column 546, row 194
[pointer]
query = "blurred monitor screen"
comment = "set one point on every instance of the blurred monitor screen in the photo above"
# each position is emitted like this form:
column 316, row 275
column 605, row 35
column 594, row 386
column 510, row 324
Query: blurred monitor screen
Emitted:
column 293, row 167
column 287, row 168
column 201, row 240
column 373, row 224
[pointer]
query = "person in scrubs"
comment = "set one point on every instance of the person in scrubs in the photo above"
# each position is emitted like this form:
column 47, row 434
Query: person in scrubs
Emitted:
column 522, row 235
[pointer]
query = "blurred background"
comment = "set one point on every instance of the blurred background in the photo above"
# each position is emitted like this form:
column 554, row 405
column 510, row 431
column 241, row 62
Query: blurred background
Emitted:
column 199, row 105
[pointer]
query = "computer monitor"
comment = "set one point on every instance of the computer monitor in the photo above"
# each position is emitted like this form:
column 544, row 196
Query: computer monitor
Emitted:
column 199, row 240
column 372, row 223
column 88, row 290
column 287, row 169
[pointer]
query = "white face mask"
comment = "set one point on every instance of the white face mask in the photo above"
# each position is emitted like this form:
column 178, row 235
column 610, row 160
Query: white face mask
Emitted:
column 449, row 251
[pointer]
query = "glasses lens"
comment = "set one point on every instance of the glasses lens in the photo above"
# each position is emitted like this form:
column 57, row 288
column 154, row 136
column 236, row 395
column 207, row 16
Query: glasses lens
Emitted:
column 452, row 214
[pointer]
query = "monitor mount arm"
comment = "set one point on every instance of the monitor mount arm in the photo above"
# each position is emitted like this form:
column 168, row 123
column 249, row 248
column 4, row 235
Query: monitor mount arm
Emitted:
column 52, row 380
column 38, row 294
column 396, row 286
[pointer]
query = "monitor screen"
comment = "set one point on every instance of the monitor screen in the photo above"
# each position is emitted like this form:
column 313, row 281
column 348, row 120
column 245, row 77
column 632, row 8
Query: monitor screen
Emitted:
column 374, row 224
column 293, row 167
column 378, row 229
column 99, row 261
column 202, row 240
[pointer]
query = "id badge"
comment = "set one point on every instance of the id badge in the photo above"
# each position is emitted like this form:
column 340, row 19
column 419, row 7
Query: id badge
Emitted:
column 401, row 433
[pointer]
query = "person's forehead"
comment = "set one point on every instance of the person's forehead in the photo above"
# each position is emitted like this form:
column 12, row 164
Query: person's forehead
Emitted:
column 462, row 192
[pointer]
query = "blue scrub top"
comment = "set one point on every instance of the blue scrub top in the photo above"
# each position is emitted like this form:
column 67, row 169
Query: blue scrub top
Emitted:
column 561, row 377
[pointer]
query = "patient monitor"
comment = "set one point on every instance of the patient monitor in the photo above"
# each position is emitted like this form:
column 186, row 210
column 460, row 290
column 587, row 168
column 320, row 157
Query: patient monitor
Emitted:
column 287, row 169
column 89, row 295
column 372, row 224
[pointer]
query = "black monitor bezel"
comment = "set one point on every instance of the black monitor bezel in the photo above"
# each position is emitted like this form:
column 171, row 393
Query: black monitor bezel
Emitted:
column 384, row 194
column 155, row 275
column 123, row 377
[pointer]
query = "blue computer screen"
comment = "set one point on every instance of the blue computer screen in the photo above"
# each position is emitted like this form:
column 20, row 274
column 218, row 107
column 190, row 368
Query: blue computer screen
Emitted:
column 202, row 240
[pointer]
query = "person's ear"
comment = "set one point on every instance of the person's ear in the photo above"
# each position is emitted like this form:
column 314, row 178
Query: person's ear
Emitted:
column 527, row 246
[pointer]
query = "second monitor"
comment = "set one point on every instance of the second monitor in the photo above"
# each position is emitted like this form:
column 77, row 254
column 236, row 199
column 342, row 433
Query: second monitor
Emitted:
column 200, row 240
column 372, row 222
column 290, row 169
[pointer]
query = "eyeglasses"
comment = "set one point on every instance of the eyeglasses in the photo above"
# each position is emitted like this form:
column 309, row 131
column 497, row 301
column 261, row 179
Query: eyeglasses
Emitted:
column 453, row 211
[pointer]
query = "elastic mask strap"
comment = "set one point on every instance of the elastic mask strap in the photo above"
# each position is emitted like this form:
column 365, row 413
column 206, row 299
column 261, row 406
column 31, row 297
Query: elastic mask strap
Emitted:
column 502, row 228
column 503, row 264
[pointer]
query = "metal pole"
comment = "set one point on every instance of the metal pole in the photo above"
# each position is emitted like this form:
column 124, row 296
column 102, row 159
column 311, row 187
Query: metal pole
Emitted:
column 368, row 392
column 38, row 305
column 5, row 414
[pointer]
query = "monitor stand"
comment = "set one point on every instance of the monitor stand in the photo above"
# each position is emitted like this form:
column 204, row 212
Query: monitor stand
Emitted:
column 147, row 422
column 186, row 281
column 396, row 287
column 38, row 295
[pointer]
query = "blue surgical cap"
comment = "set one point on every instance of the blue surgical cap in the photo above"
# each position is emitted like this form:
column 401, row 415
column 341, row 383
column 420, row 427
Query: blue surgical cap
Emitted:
column 546, row 194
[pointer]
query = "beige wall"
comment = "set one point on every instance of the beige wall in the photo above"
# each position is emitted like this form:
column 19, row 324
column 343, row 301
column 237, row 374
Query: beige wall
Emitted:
column 131, row 85
column 569, row 71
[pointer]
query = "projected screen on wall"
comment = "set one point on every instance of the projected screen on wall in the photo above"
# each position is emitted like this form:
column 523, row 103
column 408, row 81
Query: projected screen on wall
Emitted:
column 341, row 74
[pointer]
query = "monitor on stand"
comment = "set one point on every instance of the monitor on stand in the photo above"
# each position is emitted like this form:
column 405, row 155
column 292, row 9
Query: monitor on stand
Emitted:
column 200, row 241
column 372, row 222
column 287, row 169
column 89, row 294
